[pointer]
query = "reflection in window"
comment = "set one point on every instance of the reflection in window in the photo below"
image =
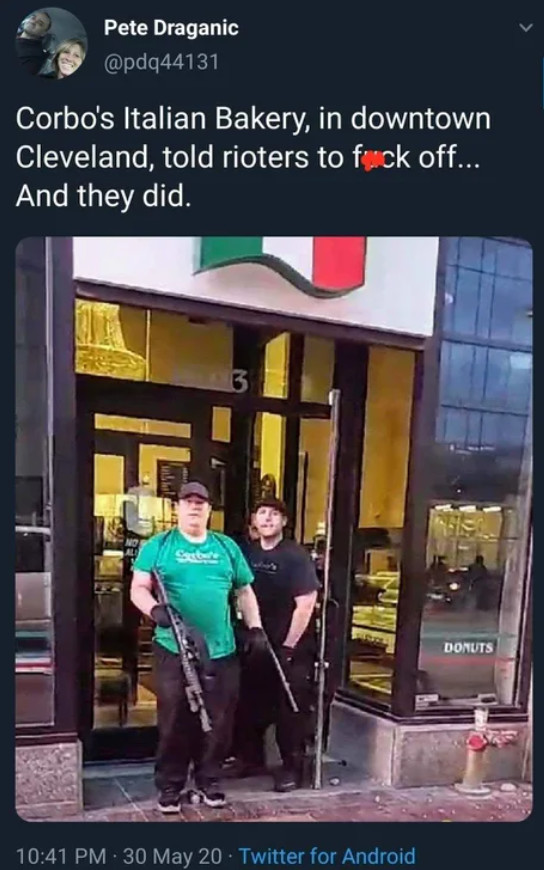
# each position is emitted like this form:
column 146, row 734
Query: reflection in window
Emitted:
column 488, row 377
column 480, row 477
column 119, row 341
column 33, row 626
column 377, row 542
column 466, row 296
column 469, row 634
column 488, row 290
column 110, row 340
column 191, row 353
column 34, row 678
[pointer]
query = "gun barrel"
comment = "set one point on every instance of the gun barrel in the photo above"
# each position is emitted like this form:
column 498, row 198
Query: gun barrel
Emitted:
column 283, row 679
column 193, row 689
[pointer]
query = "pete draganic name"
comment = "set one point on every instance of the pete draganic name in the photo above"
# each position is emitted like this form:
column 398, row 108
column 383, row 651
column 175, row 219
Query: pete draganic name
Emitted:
column 160, row 27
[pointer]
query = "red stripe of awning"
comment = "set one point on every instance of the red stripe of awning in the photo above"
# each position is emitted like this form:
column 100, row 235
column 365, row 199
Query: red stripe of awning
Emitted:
column 339, row 262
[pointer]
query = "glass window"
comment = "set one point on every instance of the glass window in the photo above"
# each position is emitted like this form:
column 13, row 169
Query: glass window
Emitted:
column 33, row 557
column 504, row 309
column 268, row 455
column 190, row 353
column 478, row 374
column 466, row 302
column 511, row 260
column 488, row 290
column 318, row 369
column 508, row 380
column 276, row 367
column 497, row 378
column 470, row 252
column 519, row 382
column 489, row 261
column 491, row 427
column 469, row 637
column 449, row 297
column 312, row 480
column 483, row 324
column 456, row 427
column 111, row 340
column 474, row 429
column 514, row 431
column 477, row 522
column 457, row 361
column 522, row 329
column 118, row 341
column 452, row 250
column 221, row 424
column 378, row 540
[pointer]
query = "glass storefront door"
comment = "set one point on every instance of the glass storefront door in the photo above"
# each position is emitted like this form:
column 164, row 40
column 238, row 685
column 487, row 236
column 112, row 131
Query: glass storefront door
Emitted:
column 142, row 432
column 138, row 466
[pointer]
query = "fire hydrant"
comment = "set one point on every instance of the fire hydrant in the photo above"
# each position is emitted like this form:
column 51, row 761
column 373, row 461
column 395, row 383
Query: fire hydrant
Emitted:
column 477, row 742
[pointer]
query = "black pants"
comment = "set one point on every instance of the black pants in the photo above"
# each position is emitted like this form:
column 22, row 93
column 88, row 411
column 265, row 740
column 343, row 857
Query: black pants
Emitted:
column 263, row 702
column 181, row 740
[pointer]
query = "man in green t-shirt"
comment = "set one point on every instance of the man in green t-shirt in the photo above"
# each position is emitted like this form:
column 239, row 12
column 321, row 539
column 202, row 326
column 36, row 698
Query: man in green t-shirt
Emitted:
column 199, row 569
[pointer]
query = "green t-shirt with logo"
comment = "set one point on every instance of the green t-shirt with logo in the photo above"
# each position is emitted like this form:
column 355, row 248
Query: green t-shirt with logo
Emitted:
column 198, row 579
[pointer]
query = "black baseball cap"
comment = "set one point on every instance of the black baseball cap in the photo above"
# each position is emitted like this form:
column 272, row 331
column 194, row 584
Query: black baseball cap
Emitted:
column 275, row 503
column 193, row 487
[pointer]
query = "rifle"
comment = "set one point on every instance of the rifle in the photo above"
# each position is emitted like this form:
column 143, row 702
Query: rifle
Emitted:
column 188, row 657
column 283, row 679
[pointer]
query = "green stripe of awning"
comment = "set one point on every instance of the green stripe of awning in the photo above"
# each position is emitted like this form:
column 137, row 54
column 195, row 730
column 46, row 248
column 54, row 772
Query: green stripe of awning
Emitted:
column 215, row 250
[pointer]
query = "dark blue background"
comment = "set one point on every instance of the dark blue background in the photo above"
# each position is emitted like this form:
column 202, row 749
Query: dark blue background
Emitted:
column 297, row 55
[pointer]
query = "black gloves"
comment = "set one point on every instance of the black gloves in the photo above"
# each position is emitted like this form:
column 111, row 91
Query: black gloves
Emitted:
column 160, row 616
column 256, row 641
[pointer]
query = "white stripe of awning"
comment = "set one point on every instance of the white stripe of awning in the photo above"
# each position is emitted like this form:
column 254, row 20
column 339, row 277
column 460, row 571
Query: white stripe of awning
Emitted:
column 297, row 251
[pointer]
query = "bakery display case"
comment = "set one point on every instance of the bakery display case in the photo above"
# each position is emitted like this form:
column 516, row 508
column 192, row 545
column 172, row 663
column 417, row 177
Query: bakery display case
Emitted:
column 374, row 600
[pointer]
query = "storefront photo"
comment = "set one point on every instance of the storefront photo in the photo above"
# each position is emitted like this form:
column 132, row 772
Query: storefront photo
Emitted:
column 377, row 387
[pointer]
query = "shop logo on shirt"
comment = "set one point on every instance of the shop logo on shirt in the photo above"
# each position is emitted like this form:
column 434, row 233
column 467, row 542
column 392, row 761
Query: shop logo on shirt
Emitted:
column 324, row 267
column 184, row 558
column 267, row 567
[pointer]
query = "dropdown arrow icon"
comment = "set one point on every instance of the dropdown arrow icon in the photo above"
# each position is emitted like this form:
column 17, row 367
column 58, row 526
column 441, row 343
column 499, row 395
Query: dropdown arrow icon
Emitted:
column 526, row 27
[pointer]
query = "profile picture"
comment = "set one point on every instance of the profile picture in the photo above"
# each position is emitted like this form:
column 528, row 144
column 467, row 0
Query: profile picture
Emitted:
column 51, row 43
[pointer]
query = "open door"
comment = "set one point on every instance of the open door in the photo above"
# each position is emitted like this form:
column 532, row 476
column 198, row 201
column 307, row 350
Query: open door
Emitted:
column 325, row 612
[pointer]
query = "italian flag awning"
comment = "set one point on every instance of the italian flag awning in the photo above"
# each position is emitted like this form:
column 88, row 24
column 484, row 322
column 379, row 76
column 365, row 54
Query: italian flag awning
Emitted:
column 325, row 266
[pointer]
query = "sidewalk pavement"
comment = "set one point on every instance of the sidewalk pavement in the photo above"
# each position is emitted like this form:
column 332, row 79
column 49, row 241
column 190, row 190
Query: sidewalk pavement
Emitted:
column 127, row 797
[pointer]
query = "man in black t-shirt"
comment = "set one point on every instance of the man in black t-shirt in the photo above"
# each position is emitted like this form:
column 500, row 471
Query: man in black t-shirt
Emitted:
column 286, row 587
column 29, row 41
